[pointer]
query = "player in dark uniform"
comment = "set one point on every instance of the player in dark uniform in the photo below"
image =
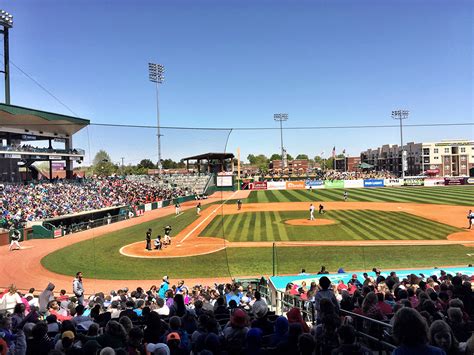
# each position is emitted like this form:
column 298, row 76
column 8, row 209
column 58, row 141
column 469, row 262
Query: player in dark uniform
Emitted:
column 148, row 239
column 239, row 204
column 321, row 209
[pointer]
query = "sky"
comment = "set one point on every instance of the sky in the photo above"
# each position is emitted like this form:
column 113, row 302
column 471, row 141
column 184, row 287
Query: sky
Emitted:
column 231, row 64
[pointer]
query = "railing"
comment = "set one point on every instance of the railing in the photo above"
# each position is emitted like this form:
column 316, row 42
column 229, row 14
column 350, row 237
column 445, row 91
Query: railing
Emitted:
column 78, row 227
column 20, row 149
column 377, row 334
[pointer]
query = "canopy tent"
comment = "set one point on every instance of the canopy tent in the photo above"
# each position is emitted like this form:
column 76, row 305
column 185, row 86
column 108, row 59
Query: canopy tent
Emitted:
column 365, row 166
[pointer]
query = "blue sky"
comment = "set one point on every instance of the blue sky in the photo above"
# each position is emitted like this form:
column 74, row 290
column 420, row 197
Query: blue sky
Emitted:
column 236, row 63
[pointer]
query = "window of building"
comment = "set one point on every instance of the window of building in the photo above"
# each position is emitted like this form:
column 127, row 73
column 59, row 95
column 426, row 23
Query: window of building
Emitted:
column 446, row 150
column 436, row 157
column 435, row 150
column 426, row 151
column 463, row 150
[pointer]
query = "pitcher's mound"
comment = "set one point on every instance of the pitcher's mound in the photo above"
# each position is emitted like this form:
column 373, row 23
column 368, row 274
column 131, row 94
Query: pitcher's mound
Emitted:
column 307, row 222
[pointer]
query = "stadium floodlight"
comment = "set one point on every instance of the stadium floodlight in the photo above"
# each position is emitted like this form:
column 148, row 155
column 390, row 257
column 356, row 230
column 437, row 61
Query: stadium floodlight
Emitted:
column 6, row 21
column 156, row 75
column 401, row 115
column 280, row 117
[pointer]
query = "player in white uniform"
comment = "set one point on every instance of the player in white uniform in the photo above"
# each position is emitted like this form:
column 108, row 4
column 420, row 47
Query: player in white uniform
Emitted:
column 15, row 240
column 311, row 212
column 470, row 217
column 346, row 195
column 177, row 208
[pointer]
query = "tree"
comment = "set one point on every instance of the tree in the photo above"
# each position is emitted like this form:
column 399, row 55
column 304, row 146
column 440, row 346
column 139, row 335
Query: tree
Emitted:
column 146, row 163
column 101, row 157
column 318, row 159
column 275, row 157
column 302, row 156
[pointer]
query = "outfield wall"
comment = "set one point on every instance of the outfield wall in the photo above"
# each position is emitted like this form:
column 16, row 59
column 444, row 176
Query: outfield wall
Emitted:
column 360, row 183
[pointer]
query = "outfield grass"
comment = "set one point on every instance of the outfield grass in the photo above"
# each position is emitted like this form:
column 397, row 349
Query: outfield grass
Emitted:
column 97, row 260
column 350, row 225
column 448, row 195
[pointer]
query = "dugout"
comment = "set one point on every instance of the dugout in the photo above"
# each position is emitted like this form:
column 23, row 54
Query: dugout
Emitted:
column 79, row 221
column 29, row 135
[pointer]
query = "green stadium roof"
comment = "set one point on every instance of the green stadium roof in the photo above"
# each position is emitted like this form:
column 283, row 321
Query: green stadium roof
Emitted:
column 33, row 119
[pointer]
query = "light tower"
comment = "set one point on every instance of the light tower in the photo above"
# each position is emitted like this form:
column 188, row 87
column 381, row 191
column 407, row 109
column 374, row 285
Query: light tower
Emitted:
column 6, row 21
column 280, row 117
column 156, row 75
column 401, row 115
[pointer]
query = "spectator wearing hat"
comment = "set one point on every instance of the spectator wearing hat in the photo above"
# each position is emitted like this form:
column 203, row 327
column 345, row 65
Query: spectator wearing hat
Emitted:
column 260, row 311
column 294, row 316
column 158, row 349
column 173, row 340
column 236, row 331
column 355, row 281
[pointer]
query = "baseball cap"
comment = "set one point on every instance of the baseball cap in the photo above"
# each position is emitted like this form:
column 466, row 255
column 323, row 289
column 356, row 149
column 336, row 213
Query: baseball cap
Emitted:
column 173, row 336
column 354, row 276
column 158, row 348
column 68, row 334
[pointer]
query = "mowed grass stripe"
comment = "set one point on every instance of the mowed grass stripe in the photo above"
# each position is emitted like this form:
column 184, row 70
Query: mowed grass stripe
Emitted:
column 418, row 195
column 412, row 228
column 369, row 196
column 433, row 229
column 234, row 227
column 245, row 232
column 289, row 195
column 338, row 216
column 272, row 196
column 355, row 230
column 398, row 224
column 257, row 231
column 212, row 229
column 377, row 223
column 355, row 219
column 445, row 197
column 268, row 227
column 282, row 234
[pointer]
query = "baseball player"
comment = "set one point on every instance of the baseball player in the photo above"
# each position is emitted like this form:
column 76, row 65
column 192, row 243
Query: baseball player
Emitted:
column 15, row 240
column 321, row 209
column 470, row 217
column 157, row 243
column 198, row 209
column 239, row 204
column 167, row 240
column 177, row 208
column 148, row 239
column 346, row 195
column 311, row 212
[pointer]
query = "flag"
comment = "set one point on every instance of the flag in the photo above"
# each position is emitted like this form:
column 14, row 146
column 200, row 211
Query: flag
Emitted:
column 322, row 154
column 334, row 152
column 344, row 152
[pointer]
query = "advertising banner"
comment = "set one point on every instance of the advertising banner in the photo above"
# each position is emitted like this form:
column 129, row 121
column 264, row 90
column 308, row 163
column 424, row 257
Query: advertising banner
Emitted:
column 58, row 232
column 393, row 182
column 373, row 183
column 414, row 181
column 295, row 185
column 314, row 184
column 454, row 181
column 348, row 184
column 470, row 181
column 147, row 206
column 258, row 185
column 334, row 184
column 276, row 185
column 434, row 182
column 159, row 204
column 57, row 166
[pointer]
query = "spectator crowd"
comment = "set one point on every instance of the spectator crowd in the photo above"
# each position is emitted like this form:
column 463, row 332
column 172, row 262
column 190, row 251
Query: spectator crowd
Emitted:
column 36, row 201
column 421, row 315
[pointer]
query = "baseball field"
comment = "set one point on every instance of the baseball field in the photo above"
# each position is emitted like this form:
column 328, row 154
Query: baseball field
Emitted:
column 384, row 227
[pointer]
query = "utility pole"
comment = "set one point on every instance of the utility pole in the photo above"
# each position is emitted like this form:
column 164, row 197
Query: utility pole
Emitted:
column 156, row 75
column 122, row 165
